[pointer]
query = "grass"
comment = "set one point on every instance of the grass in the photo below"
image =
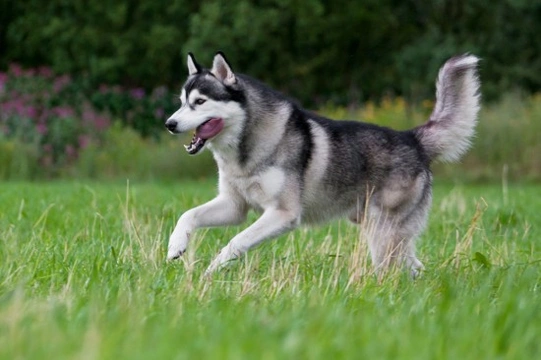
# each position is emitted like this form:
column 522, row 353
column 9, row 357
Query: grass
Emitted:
column 83, row 276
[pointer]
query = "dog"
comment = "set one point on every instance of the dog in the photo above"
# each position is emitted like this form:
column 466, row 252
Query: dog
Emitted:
column 298, row 168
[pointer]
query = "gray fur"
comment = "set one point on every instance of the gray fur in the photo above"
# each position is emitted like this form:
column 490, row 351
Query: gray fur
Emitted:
column 296, row 167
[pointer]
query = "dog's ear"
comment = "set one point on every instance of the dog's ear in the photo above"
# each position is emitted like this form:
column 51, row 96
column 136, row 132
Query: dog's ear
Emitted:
column 193, row 66
column 222, row 70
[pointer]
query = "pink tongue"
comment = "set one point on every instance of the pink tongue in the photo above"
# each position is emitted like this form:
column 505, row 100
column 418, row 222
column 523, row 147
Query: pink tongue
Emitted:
column 210, row 128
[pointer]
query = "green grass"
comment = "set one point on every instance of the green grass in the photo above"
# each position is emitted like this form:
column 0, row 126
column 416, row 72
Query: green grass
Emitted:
column 83, row 276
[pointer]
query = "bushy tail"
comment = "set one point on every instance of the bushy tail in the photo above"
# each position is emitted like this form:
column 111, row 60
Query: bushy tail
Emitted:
column 448, row 133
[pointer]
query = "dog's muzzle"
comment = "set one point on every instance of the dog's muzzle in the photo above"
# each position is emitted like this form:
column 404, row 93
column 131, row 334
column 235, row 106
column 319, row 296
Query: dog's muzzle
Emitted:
column 171, row 125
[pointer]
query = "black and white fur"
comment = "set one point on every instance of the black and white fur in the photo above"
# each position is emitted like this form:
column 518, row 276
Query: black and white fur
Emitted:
column 295, row 167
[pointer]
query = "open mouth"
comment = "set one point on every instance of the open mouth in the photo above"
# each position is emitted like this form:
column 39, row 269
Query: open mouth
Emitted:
column 204, row 132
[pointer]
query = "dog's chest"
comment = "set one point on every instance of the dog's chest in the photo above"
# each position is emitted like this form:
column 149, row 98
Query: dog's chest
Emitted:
column 261, row 190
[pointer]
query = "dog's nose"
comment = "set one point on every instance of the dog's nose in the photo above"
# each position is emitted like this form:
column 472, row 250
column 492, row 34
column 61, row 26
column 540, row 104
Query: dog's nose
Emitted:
column 171, row 125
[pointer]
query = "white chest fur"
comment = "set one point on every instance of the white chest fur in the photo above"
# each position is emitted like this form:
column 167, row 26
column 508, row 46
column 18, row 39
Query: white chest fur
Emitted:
column 262, row 190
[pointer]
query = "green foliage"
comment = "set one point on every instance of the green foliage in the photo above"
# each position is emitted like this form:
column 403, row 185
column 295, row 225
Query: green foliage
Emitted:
column 124, row 42
column 18, row 160
column 141, row 111
column 84, row 276
column 316, row 50
column 123, row 153
column 43, row 112
column 506, row 145
column 56, row 117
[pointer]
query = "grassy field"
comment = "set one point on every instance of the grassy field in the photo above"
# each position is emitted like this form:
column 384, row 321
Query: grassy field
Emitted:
column 83, row 276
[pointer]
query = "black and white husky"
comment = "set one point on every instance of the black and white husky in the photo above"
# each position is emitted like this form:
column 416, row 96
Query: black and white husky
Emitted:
column 295, row 167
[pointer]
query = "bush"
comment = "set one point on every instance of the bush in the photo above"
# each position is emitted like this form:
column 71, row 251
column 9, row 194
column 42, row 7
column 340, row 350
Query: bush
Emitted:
column 41, row 111
column 57, row 116
column 145, row 113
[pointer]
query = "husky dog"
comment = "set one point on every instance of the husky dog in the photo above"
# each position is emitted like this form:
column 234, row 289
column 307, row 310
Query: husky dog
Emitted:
column 296, row 167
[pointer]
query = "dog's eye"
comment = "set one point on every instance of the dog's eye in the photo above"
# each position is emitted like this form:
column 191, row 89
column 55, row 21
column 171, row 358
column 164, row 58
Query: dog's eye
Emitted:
column 199, row 101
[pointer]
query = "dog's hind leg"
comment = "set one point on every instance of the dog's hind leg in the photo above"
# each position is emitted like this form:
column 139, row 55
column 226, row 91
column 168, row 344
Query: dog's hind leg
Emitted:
column 392, row 240
column 222, row 210
column 395, row 216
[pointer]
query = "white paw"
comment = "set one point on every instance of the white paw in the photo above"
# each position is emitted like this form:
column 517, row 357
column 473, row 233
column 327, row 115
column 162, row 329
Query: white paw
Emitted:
column 416, row 268
column 227, row 254
column 174, row 253
column 177, row 247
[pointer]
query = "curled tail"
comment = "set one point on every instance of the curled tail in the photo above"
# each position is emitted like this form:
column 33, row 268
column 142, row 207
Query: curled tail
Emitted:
column 448, row 133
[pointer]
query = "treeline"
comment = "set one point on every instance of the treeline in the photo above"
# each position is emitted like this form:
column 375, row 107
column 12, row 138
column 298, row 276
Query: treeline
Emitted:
column 316, row 50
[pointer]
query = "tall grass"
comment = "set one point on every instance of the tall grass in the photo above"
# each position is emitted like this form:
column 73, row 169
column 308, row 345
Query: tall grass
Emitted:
column 84, row 276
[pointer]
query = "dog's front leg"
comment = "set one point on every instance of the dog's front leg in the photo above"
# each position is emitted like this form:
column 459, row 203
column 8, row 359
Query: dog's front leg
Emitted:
column 272, row 223
column 220, row 211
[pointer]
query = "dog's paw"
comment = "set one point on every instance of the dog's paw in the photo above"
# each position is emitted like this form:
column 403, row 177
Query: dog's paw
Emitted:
column 178, row 242
column 175, row 250
column 173, row 255
column 416, row 268
column 224, row 258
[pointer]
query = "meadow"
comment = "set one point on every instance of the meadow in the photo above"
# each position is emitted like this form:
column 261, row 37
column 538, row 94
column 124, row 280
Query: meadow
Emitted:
column 82, row 252
column 83, row 276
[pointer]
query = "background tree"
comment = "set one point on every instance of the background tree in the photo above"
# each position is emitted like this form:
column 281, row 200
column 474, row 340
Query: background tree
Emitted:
column 316, row 50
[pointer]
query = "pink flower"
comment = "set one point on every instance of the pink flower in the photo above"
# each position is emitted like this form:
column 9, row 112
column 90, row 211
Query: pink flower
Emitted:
column 3, row 81
column 45, row 72
column 159, row 92
column 15, row 106
column 15, row 69
column 137, row 93
column 88, row 114
column 158, row 113
column 44, row 116
column 31, row 112
column 29, row 72
column 63, row 112
column 103, row 89
column 45, row 95
column 101, row 123
column 84, row 141
column 92, row 118
column 41, row 128
column 61, row 82
column 70, row 151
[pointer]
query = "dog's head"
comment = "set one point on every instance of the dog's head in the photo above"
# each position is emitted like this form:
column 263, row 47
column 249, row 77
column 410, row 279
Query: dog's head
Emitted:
column 211, row 103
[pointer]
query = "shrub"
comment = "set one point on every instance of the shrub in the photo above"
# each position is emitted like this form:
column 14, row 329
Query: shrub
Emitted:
column 40, row 111
column 56, row 116
column 142, row 112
